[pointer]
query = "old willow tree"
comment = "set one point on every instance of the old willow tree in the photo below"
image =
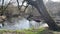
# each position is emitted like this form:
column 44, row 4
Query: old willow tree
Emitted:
column 42, row 10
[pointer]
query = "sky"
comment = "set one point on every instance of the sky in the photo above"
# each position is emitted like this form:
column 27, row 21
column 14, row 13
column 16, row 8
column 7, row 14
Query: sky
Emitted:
column 56, row 0
column 52, row 0
column 7, row 1
column 20, row 1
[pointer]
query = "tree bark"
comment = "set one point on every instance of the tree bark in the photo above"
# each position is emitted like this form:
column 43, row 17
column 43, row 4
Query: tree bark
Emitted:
column 42, row 10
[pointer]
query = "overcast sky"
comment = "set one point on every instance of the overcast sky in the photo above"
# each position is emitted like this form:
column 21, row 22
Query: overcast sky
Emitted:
column 56, row 0
column 20, row 1
column 7, row 1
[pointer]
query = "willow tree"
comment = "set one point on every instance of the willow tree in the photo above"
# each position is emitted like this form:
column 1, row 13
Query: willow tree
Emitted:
column 44, row 13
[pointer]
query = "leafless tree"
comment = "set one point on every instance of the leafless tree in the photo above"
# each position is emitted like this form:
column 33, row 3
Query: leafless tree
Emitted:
column 42, row 10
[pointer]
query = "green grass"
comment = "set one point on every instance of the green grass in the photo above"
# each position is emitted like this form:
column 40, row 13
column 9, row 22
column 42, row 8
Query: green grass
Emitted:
column 25, row 31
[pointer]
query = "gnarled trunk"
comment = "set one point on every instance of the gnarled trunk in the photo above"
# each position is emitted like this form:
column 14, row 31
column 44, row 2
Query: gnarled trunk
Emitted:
column 42, row 10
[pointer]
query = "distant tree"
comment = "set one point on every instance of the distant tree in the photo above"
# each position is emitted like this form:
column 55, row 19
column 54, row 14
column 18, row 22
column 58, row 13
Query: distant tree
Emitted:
column 2, row 10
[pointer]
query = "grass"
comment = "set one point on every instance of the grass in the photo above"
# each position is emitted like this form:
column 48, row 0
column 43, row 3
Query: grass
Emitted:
column 25, row 31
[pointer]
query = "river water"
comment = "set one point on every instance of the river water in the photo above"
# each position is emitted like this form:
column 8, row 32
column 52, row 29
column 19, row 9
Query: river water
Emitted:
column 19, row 24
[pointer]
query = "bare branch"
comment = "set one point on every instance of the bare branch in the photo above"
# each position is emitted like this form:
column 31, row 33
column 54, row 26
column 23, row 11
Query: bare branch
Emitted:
column 21, row 5
column 18, row 4
column 7, row 5
column 2, row 7
column 26, row 7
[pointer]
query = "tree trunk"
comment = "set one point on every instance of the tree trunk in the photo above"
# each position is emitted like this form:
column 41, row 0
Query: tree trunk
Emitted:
column 42, row 10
